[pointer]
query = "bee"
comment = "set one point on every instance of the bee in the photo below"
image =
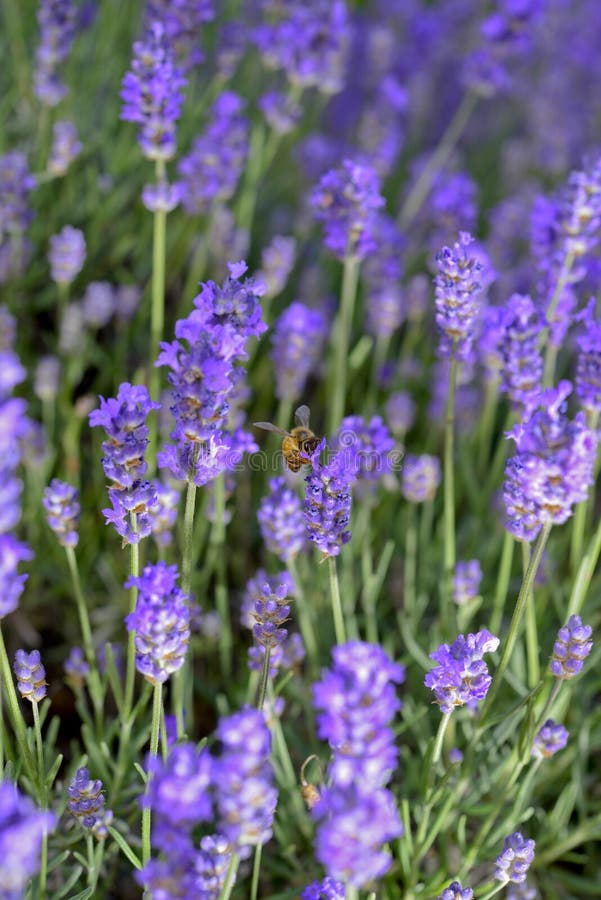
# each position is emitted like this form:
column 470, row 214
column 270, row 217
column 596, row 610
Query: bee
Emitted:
column 299, row 444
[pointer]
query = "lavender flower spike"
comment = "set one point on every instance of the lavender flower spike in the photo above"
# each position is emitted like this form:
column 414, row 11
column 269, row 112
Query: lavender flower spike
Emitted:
column 458, row 284
column 421, row 477
column 515, row 860
column 31, row 675
column 468, row 575
column 281, row 520
column 22, row 827
column 550, row 739
column 327, row 505
column 571, row 648
column 461, row 676
column 298, row 340
column 86, row 803
column 456, row 892
column 67, row 254
column 328, row 889
column 12, row 552
column 61, row 502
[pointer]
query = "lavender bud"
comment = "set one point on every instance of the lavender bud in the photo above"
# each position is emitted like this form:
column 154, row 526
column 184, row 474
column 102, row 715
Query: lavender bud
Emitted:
column 550, row 739
column 281, row 521
column 571, row 648
column 31, row 675
column 76, row 667
column 328, row 889
column 47, row 378
column 61, row 502
column 461, row 676
column 456, row 892
column 66, row 147
column 67, row 254
column 468, row 575
column 515, row 860
column 86, row 803
column 421, row 477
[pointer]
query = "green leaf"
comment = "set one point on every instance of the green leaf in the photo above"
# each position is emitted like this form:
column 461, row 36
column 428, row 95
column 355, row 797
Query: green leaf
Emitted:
column 53, row 770
column 71, row 880
column 83, row 895
column 125, row 848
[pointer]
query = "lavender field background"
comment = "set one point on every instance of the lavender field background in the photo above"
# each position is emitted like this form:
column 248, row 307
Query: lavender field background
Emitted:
column 300, row 382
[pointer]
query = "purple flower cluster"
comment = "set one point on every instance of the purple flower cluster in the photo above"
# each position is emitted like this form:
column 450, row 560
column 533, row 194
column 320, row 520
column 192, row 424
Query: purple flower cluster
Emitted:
column 277, row 262
column 588, row 371
column 254, row 592
column 203, row 376
column 328, row 889
column 16, row 184
column 400, row 412
column 307, row 39
column 210, row 172
column 67, row 254
column 76, row 667
column 515, row 860
column 421, row 477
column 152, row 93
column 161, row 622
column 281, row 520
column 522, row 364
column 282, row 113
column 366, row 447
column 571, row 648
column 22, row 827
column 459, row 283
column 549, row 740
column 347, row 201
column 124, row 420
column 14, row 424
column 12, row 552
column 183, row 21
column 164, row 513
column 468, row 575
column 270, row 612
column 327, row 504
column 61, row 502
column 298, row 340
column 456, row 892
column 382, row 273
column 86, row 803
column 553, row 467
column 31, row 675
column 57, row 21
column 65, row 147
column 461, row 675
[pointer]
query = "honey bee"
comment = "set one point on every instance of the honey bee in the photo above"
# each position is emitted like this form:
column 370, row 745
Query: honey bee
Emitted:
column 299, row 444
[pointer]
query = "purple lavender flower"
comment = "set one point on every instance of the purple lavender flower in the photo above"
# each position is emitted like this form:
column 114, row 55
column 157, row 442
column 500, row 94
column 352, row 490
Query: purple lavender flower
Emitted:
column 328, row 889
column 256, row 659
column 282, row 112
column 572, row 646
column 12, row 552
column 421, row 477
column 183, row 21
column 76, row 667
column 162, row 196
column 381, row 128
column 281, row 521
column 521, row 892
column 400, row 412
column 382, row 273
column 14, row 426
column 67, row 254
column 86, row 803
column 245, row 795
column 353, row 827
column 347, row 201
column 307, row 40
column 31, row 675
column 456, row 892
column 123, row 419
column 327, row 504
column 366, row 447
column 277, row 261
column 588, row 372
column 61, row 502
column 468, row 575
column 461, row 675
column 98, row 304
column 152, row 93
column 22, row 827
column 549, row 740
column 161, row 622
column 515, row 860
column 57, row 21
column 298, row 342
column 458, row 286
column 65, row 147
column 253, row 593
column 270, row 612
column 293, row 652
column 16, row 184
column 553, row 466
column 179, row 794
column 522, row 364
column 356, row 702
column 210, row 172
column 164, row 513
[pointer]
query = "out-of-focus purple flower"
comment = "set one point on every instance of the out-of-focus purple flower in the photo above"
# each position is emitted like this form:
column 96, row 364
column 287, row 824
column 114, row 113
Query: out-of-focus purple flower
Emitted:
column 161, row 622
column 453, row 205
column 459, row 283
column 356, row 701
column 572, row 646
column 67, row 254
column 57, row 20
column 400, row 412
column 31, row 675
column 282, row 113
column 588, row 372
column 549, row 740
column 365, row 446
column 298, row 342
column 22, row 827
column 245, row 795
column 98, row 304
column 294, row 652
column 382, row 273
column 12, row 552
column 210, row 172
column 152, row 93
column 61, row 502
column 327, row 504
column 72, row 332
column 381, row 128
column 162, row 197
column 281, row 520
column 328, row 889
column 127, row 300
column 421, row 477
column 164, row 513
column 522, row 891
column 461, row 675
column 353, row 827
column 65, row 147
column 466, row 584
column 183, row 21
column 456, row 892
column 253, row 593
column 347, row 201
column 522, row 364
column 515, row 860
column 553, row 467
column 256, row 659
column 16, row 184
column 307, row 39
column 277, row 261
column 86, row 803
column 76, row 667
column 14, row 426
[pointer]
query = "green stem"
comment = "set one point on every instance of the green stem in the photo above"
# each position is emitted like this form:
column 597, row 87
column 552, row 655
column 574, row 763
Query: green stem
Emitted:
column 449, row 494
column 88, row 645
column 43, row 795
column 130, row 670
column 230, row 878
column 421, row 188
column 157, row 313
column 438, row 743
column 410, row 571
column 157, row 709
column 16, row 716
column 254, row 887
column 351, row 893
column 503, row 578
column 187, row 669
column 516, row 621
column 350, row 280
column 264, row 678
column 532, row 649
column 493, row 892
column 336, row 604
column 585, row 573
column 218, row 540
column 305, row 618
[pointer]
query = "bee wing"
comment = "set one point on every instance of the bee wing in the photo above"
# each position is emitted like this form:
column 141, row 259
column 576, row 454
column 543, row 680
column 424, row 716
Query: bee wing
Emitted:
column 269, row 426
column 301, row 416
